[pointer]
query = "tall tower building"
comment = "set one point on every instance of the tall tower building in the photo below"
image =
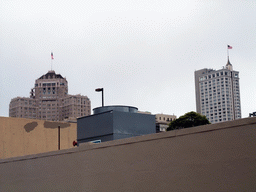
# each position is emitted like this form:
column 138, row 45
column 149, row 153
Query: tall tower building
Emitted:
column 218, row 94
column 49, row 100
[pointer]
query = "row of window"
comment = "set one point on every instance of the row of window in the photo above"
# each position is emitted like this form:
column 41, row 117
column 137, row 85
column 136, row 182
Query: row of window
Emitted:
column 219, row 120
column 210, row 94
column 75, row 100
column 227, row 83
column 167, row 118
column 229, row 113
column 216, row 75
column 220, row 111
column 48, row 84
column 50, row 90
column 214, row 98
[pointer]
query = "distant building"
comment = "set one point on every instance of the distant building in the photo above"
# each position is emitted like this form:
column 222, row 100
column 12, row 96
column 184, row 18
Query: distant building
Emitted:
column 218, row 94
column 49, row 100
column 144, row 112
column 163, row 121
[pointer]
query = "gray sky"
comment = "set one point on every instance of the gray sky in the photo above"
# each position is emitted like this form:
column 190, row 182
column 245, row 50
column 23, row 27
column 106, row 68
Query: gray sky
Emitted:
column 144, row 53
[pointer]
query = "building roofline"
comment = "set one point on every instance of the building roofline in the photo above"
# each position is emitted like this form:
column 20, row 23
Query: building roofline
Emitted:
column 51, row 74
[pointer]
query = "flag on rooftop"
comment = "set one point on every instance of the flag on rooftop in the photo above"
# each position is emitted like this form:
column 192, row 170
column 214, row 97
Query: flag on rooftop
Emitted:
column 52, row 55
column 229, row 47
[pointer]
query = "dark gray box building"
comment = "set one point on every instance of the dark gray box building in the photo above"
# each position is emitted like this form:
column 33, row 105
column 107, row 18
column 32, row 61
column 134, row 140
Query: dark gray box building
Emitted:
column 114, row 122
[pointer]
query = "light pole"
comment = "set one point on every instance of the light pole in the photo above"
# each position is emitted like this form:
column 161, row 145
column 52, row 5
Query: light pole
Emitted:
column 101, row 90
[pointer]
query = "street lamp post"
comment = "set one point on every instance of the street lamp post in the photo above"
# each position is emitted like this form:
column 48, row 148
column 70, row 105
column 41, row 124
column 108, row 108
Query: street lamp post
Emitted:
column 101, row 90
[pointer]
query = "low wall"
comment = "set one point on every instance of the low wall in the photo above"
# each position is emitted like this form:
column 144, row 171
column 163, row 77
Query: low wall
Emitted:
column 218, row 157
column 19, row 136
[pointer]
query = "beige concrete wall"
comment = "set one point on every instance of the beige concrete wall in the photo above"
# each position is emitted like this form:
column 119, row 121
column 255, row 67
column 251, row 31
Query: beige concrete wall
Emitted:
column 218, row 157
column 20, row 136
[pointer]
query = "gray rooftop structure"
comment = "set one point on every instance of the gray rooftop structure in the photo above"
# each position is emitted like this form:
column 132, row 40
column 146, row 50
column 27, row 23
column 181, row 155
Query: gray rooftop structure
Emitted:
column 114, row 122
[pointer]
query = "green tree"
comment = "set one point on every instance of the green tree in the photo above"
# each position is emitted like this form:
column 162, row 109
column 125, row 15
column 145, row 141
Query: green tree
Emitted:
column 190, row 119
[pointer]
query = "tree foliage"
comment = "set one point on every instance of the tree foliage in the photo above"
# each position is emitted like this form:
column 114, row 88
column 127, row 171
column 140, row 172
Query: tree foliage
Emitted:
column 190, row 119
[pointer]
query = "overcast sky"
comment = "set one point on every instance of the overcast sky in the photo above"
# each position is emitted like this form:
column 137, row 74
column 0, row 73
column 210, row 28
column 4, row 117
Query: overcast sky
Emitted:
column 144, row 53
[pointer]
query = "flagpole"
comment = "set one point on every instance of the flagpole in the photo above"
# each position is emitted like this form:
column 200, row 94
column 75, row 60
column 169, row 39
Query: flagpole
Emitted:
column 227, row 52
column 51, row 59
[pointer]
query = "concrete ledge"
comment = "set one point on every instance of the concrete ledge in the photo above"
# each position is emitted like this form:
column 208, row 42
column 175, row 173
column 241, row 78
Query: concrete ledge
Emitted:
column 218, row 157
column 150, row 137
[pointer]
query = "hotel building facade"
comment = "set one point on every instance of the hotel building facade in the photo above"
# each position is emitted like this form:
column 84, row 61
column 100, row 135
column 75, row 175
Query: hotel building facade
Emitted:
column 49, row 100
column 218, row 94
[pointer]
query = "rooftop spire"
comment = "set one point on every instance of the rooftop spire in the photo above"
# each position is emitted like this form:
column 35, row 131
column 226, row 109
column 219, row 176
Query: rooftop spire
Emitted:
column 229, row 65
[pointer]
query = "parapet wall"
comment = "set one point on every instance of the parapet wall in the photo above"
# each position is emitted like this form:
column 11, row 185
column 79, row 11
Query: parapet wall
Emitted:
column 19, row 136
column 217, row 157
